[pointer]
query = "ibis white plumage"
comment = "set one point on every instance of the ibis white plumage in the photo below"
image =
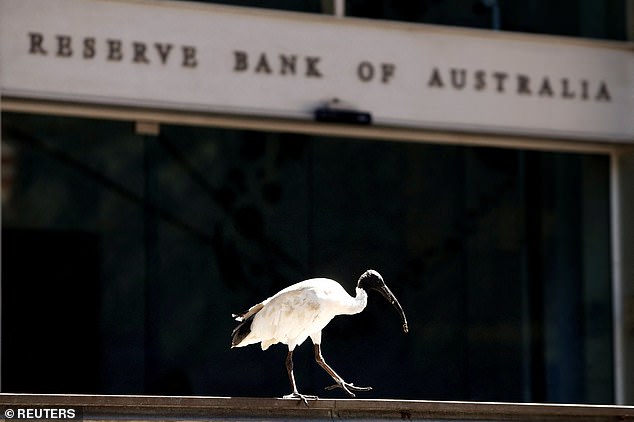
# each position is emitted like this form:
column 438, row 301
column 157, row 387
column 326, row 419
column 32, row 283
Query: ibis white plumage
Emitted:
column 301, row 311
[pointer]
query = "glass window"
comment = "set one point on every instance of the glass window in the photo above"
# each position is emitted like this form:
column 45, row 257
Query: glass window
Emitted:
column 134, row 250
column 587, row 18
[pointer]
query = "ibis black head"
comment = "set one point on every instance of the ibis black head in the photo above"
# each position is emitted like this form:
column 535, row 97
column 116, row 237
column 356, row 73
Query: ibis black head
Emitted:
column 372, row 280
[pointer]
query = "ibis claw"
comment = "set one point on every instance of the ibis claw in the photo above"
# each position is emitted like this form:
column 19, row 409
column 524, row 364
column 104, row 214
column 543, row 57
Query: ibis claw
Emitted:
column 303, row 397
column 348, row 388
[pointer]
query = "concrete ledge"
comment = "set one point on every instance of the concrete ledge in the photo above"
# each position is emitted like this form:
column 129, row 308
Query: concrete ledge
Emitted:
column 152, row 408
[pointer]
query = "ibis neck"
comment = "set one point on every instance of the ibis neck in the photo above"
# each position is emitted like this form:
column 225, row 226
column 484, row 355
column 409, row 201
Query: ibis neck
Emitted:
column 359, row 302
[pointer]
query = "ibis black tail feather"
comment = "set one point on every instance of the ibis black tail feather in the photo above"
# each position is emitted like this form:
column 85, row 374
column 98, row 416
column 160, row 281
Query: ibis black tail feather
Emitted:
column 240, row 332
column 244, row 328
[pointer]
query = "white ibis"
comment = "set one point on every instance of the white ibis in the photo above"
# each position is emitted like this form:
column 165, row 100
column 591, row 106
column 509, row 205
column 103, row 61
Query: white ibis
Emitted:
column 303, row 310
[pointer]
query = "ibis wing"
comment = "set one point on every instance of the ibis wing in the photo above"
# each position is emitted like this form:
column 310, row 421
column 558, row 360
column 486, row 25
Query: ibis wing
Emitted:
column 289, row 317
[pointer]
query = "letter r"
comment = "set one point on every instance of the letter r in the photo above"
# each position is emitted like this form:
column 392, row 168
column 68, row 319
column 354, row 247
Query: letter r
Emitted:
column 36, row 43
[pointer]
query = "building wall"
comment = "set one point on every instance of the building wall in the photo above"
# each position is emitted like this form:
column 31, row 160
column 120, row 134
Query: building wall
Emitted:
column 511, row 263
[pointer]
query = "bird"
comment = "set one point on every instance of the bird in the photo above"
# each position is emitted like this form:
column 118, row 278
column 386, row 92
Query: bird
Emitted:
column 301, row 311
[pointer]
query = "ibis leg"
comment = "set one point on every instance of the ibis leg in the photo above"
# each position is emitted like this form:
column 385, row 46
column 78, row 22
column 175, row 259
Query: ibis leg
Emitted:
column 289, row 369
column 347, row 387
column 291, row 377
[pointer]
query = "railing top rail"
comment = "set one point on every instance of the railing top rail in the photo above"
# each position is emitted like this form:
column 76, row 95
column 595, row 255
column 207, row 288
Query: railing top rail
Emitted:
column 118, row 407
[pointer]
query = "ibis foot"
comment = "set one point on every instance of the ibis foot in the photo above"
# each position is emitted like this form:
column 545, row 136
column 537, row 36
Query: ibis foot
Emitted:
column 302, row 397
column 348, row 388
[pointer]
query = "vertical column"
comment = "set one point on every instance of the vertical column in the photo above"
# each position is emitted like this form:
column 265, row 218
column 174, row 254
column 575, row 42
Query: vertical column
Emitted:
column 622, row 203
column 622, row 209
column 334, row 7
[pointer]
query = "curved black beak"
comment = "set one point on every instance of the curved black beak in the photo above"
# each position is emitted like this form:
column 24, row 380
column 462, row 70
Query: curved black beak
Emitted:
column 387, row 294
